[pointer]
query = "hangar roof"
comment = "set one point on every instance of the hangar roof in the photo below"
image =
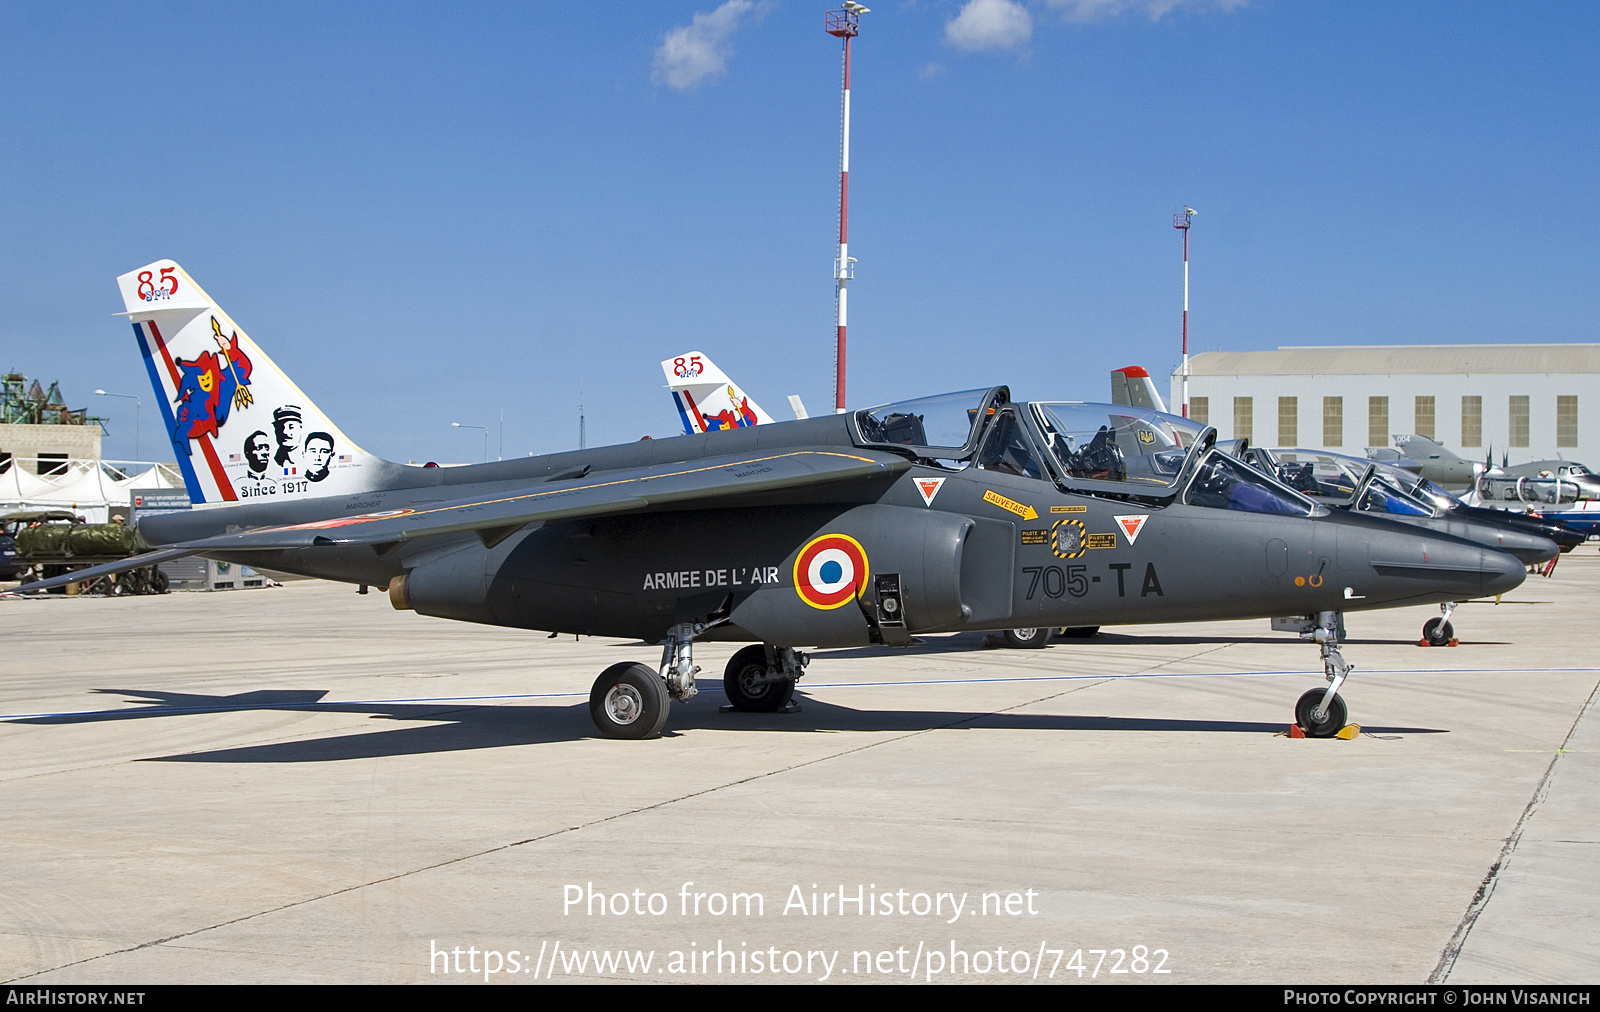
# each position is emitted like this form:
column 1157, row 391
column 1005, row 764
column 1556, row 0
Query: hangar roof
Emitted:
column 1400, row 359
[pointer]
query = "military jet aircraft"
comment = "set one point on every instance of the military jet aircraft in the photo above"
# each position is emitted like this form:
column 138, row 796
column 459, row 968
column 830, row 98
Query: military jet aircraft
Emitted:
column 961, row 511
column 1431, row 459
column 1366, row 486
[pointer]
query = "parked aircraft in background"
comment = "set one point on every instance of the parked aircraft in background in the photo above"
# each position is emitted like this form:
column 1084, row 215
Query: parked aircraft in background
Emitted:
column 1543, row 481
column 1431, row 459
column 1582, row 516
column 1565, row 471
column 707, row 400
column 1132, row 385
column 1366, row 486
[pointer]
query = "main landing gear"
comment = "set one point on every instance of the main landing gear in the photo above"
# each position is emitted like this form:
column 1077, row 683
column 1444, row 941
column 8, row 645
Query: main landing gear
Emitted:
column 1321, row 713
column 1027, row 639
column 760, row 679
column 630, row 700
column 1035, row 639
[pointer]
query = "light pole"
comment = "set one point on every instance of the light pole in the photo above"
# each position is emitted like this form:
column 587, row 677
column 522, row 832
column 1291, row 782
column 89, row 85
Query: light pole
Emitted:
column 138, row 416
column 843, row 24
column 1181, row 222
column 485, row 428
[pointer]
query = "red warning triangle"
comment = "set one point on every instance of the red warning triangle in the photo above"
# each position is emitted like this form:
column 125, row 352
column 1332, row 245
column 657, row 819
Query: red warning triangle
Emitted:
column 1131, row 526
column 929, row 487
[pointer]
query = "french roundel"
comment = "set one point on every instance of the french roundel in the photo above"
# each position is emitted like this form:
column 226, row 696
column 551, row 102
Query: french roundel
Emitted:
column 830, row 571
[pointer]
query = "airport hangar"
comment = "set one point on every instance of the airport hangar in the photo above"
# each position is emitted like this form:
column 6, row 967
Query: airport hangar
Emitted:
column 1533, row 401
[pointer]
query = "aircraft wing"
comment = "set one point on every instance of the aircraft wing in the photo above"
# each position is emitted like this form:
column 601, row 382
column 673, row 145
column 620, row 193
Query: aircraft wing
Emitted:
column 708, row 481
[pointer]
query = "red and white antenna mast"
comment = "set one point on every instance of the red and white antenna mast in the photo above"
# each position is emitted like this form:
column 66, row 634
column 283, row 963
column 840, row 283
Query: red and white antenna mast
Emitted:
column 844, row 24
column 1181, row 222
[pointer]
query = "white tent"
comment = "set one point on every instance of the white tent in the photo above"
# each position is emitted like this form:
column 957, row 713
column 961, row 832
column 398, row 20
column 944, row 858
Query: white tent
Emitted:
column 156, row 476
column 18, row 487
column 88, row 487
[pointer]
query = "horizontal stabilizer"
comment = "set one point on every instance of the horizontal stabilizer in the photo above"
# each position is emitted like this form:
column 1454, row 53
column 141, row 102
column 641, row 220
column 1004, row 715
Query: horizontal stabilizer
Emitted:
column 132, row 562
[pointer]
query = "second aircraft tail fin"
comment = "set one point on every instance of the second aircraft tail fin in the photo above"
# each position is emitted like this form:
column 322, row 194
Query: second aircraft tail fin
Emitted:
column 706, row 399
column 1132, row 385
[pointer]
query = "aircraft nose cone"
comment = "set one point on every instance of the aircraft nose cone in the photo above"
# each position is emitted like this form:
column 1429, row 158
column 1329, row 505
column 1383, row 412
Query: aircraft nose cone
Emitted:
column 1503, row 571
column 1445, row 566
column 1530, row 549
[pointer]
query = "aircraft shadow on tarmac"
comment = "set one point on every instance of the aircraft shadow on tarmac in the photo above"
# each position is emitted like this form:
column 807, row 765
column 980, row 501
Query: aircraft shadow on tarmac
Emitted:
column 968, row 642
column 454, row 727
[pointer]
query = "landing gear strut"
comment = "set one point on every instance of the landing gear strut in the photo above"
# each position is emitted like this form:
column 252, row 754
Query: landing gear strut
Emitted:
column 629, row 700
column 1320, row 712
column 1439, row 631
column 760, row 679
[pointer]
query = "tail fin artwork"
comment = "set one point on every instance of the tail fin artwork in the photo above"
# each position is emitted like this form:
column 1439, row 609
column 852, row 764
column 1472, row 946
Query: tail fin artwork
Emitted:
column 240, row 429
column 706, row 398
column 1132, row 385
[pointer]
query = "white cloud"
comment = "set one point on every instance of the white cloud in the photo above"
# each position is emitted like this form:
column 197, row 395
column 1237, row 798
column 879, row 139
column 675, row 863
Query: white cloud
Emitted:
column 1100, row 10
column 691, row 53
column 989, row 24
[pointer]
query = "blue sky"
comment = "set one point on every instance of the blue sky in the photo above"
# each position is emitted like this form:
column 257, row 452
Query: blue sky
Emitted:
column 429, row 215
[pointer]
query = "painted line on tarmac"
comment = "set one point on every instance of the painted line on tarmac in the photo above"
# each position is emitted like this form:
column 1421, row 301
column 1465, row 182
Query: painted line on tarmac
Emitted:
column 329, row 704
column 1480, row 899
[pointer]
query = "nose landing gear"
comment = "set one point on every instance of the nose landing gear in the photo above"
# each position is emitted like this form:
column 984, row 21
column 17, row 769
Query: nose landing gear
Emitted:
column 1438, row 632
column 1321, row 713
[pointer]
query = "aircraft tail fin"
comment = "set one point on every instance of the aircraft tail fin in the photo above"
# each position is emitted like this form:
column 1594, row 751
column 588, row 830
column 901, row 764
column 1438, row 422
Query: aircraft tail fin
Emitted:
column 241, row 430
column 706, row 399
column 1421, row 447
column 1131, row 385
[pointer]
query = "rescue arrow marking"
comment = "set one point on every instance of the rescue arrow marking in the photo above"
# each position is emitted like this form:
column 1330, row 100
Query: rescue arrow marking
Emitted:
column 1011, row 505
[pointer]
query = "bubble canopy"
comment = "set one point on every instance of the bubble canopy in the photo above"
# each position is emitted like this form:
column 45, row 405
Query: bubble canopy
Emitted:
column 1114, row 450
column 1116, row 442
column 943, row 423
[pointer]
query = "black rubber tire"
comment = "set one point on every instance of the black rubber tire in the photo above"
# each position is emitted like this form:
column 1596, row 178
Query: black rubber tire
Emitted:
column 1438, row 632
column 1028, row 639
column 741, row 682
column 1338, row 714
column 1079, row 632
column 159, row 583
column 629, row 700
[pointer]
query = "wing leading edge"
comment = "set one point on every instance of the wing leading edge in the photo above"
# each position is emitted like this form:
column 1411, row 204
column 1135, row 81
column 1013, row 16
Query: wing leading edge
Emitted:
column 711, row 480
